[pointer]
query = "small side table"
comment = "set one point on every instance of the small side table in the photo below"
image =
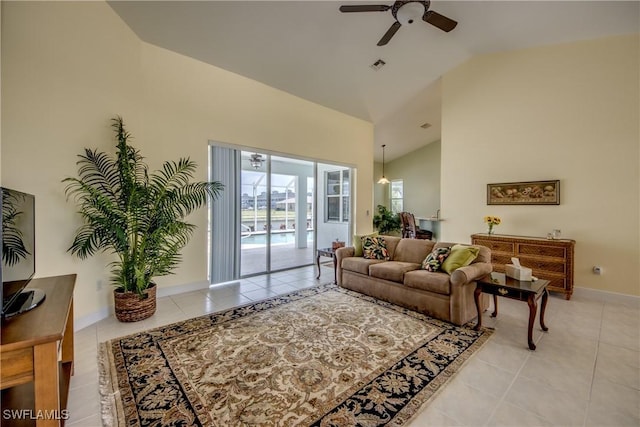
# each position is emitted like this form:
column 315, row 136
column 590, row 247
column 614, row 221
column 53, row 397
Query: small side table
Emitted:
column 329, row 253
column 498, row 284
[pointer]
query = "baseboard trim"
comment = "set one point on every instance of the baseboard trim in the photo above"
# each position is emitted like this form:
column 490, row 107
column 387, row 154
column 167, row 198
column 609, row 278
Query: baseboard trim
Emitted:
column 90, row 319
column 607, row 296
column 180, row 289
column 104, row 312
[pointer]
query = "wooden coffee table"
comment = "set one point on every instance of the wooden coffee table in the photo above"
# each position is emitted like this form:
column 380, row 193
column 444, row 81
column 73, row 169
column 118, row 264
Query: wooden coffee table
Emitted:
column 497, row 284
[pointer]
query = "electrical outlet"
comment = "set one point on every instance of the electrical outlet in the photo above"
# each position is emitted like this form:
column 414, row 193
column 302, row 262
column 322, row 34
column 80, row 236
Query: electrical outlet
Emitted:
column 597, row 270
column 99, row 284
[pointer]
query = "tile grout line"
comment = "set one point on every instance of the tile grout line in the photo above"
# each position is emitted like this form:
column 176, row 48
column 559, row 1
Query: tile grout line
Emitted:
column 595, row 363
column 504, row 395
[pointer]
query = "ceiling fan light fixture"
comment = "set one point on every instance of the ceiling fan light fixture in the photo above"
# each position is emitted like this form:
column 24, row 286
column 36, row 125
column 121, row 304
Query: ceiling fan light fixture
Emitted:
column 410, row 12
column 405, row 12
column 255, row 161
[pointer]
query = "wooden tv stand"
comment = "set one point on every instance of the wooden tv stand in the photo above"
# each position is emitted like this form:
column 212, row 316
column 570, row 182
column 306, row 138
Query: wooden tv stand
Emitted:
column 36, row 357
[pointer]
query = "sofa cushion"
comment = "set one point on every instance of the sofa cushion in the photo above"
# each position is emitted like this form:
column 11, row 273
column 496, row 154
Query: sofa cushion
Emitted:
column 392, row 270
column 357, row 242
column 374, row 248
column 392, row 242
column 461, row 255
column 483, row 256
column 412, row 250
column 434, row 260
column 424, row 280
column 359, row 264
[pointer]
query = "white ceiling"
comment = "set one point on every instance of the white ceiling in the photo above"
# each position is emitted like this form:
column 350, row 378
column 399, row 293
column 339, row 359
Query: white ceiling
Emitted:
column 312, row 50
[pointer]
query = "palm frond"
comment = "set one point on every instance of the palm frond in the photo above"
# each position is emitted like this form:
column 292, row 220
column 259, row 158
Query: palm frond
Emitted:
column 134, row 214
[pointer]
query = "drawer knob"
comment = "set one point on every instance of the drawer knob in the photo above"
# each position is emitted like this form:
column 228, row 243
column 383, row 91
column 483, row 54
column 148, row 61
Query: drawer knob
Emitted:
column 503, row 291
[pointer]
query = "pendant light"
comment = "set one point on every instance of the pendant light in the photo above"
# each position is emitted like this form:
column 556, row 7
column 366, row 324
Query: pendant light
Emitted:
column 383, row 180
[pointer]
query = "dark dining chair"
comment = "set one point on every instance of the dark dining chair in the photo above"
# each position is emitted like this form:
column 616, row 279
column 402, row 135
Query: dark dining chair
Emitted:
column 411, row 230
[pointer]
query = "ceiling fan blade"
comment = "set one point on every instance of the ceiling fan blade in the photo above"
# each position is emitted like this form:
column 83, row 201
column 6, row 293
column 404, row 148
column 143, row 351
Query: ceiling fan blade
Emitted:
column 390, row 32
column 440, row 21
column 365, row 8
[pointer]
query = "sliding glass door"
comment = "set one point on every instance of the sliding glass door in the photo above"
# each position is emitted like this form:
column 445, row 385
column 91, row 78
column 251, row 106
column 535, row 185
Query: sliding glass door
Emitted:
column 279, row 207
column 277, row 213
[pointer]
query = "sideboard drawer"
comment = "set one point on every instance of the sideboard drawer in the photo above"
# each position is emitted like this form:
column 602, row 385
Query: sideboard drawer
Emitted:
column 539, row 264
column 557, row 283
column 540, row 250
column 501, row 259
column 496, row 246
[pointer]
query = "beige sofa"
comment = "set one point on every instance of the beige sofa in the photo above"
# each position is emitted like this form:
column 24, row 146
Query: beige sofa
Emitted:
column 401, row 281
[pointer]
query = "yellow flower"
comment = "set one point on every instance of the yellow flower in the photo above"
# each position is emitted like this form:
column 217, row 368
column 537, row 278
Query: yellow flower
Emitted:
column 493, row 220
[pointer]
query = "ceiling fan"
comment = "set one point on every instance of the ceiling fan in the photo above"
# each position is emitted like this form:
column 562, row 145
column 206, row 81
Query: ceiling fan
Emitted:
column 256, row 160
column 405, row 12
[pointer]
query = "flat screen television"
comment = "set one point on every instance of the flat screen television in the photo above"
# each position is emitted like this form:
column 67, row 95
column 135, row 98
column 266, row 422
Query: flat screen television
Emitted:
column 18, row 253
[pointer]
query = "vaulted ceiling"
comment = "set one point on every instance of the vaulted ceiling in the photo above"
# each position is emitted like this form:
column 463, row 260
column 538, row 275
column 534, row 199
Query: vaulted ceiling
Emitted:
column 312, row 50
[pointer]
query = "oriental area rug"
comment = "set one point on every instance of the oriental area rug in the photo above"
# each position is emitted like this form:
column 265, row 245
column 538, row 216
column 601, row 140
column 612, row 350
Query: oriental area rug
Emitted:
column 323, row 356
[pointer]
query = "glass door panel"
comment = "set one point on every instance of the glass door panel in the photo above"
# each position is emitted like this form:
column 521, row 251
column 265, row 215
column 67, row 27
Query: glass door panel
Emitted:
column 254, row 235
column 291, row 205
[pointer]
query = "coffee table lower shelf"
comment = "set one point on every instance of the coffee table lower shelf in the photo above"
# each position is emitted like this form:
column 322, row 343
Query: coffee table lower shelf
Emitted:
column 497, row 284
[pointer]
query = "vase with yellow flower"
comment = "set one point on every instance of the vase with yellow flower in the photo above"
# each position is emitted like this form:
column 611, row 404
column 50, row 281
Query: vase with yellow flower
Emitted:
column 491, row 221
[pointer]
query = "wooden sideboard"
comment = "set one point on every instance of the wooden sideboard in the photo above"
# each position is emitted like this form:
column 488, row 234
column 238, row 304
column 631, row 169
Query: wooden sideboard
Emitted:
column 552, row 260
column 36, row 353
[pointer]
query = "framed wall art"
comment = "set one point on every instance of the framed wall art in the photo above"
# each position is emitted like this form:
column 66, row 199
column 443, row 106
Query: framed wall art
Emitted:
column 524, row 193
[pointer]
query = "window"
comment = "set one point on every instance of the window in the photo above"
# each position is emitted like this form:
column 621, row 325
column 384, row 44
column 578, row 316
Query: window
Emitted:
column 338, row 202
column 397, row 196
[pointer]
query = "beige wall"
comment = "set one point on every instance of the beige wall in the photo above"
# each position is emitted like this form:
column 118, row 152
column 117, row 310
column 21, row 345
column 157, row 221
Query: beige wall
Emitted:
column 420, row 172
column 67, row 68
column 567, row 112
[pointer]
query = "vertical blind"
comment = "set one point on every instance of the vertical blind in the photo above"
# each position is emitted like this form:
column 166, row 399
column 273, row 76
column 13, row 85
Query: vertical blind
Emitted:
column 225, row 216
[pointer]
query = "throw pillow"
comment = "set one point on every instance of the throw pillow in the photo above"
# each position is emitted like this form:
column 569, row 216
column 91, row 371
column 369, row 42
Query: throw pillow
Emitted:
column 357, row 242
column 434, row 260
column 374, row 248
column 461, row 255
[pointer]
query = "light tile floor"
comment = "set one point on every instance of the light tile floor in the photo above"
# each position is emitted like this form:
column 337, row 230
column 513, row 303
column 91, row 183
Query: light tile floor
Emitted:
column 585, row 371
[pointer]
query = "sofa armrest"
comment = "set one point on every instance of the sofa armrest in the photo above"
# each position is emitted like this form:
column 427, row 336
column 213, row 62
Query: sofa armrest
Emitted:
column 470, row 273
column 342, row 253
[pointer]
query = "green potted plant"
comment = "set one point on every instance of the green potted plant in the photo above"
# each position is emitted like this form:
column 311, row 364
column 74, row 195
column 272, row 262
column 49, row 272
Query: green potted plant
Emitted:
column 136, row 215
column 385, row 221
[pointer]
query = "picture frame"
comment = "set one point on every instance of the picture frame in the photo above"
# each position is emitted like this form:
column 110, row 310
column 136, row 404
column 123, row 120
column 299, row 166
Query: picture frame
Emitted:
column 524, row 193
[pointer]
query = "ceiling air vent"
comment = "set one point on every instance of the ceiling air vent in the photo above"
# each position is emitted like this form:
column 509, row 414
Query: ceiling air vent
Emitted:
column 378, row 64
column 425, row 125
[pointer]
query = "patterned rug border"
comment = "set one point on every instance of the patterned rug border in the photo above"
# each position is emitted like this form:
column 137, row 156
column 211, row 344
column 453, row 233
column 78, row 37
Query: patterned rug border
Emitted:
column 112, row 408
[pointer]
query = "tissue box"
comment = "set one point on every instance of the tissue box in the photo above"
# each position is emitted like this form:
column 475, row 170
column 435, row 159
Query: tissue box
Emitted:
column 518, row 273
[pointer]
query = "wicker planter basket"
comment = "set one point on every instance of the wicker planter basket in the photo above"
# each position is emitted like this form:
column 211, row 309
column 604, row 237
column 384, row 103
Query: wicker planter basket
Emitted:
column 131, row 307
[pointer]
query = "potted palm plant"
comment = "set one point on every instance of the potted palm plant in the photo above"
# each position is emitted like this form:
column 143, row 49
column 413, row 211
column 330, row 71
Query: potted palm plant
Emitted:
column 136, row 215
column 385, row 221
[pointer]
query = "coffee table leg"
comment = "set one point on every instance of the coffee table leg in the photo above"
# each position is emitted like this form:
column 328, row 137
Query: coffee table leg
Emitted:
column 318, row 262
column 335, row 269
column 495, row 306
column 543, row 306
column 533, row 307
column 476, row 297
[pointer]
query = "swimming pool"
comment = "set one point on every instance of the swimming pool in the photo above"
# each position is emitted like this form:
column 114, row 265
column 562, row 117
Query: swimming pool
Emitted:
column 256, row 240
